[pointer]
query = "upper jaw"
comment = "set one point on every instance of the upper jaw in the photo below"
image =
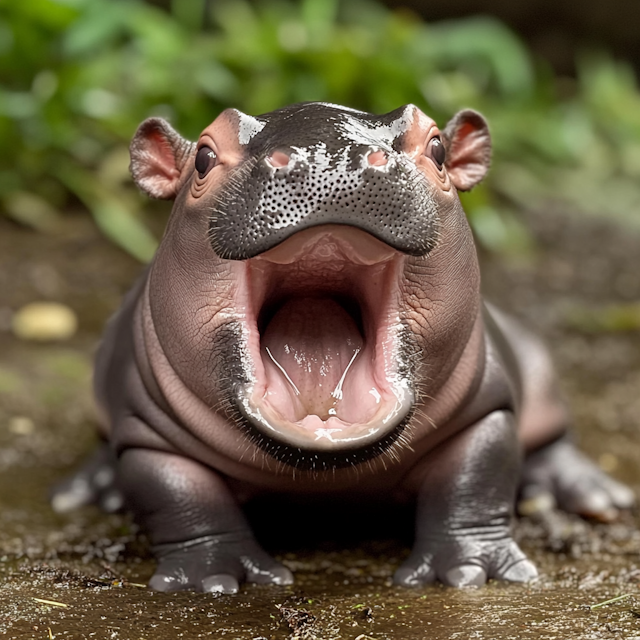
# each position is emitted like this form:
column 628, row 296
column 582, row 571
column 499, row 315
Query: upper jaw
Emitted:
column 331, row 242
column 323, row 341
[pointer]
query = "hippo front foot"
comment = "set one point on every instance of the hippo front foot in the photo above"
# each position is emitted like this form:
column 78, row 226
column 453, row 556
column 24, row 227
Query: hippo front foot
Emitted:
column 216, row 564
column 197, row 530
column 94, row 483
column 465, row 504
column 467, row 560
column 560, row 475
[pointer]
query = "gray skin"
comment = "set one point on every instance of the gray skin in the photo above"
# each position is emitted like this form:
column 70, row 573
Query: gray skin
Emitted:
column 312, row 326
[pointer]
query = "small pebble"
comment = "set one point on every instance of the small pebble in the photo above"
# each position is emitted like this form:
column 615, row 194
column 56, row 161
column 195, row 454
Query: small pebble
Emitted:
column 21, row 425
column 44, row 322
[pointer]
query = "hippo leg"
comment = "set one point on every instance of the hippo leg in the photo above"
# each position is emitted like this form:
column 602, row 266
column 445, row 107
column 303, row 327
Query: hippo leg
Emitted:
column 561, row 473
column 465, row 507
column 95, row 482
column 199, row 534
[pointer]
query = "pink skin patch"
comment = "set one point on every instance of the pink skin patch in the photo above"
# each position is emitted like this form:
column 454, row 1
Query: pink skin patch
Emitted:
column 278, row 159
column 322, row 331
column 377, row 158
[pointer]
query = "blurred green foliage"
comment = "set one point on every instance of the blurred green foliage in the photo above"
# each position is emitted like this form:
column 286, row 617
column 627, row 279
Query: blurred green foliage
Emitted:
column 79, row 75
column 604, row 319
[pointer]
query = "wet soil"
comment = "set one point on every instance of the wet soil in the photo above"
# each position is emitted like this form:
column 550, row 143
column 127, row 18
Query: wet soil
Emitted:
column 83, row 575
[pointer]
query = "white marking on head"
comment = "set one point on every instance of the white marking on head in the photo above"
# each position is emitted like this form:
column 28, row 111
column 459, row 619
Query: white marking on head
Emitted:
column 340, row 107
column 248, row 126
column 361, row 131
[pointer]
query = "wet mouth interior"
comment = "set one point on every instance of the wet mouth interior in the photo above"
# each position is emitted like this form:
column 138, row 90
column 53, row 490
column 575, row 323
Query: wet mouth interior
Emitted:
column 313, row 343
column 326, row 317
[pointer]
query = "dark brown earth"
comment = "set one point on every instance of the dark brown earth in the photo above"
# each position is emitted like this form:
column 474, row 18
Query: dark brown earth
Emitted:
column 92, row 568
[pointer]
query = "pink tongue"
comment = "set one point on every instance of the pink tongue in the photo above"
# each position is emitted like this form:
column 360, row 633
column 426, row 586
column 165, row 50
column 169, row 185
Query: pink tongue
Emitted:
column 311, row 342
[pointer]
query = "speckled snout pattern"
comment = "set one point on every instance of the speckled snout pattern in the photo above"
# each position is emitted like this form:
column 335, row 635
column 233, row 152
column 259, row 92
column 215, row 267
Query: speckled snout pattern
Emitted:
column 333, row 180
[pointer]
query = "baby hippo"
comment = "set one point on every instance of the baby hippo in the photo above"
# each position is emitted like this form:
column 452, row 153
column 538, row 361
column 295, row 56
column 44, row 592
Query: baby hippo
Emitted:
column 312, row 326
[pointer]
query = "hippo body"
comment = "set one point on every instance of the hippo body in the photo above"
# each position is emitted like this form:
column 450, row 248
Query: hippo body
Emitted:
column 312, row 324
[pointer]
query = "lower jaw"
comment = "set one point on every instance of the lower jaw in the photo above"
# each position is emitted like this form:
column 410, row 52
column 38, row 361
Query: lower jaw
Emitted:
column 314, row 434
column 294, row 449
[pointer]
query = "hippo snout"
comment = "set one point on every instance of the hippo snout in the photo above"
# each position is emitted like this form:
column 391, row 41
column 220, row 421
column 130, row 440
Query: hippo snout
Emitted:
column 272, row 196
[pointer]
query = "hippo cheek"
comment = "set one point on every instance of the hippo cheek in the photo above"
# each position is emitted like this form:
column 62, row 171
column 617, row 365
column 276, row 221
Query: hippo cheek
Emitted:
column 324, row 336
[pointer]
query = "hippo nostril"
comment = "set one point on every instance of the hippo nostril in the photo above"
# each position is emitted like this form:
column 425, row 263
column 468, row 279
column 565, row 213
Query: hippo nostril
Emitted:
column 377, row 158
column 278, row 159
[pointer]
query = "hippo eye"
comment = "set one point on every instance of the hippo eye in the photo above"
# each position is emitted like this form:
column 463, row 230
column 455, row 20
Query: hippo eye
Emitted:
column 437, row 152
column 205, row 161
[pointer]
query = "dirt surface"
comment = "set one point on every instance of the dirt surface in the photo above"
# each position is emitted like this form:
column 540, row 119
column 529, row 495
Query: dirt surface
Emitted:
column 83, row 575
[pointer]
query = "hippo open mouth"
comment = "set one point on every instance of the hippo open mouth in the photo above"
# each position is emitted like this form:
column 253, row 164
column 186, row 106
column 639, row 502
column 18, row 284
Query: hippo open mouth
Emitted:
column 323, row 331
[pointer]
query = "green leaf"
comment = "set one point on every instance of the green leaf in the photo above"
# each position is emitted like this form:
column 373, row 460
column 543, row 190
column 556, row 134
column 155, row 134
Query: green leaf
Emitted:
column 99, row 25
column 114, row 212
column 31, row 210
column 120, row 225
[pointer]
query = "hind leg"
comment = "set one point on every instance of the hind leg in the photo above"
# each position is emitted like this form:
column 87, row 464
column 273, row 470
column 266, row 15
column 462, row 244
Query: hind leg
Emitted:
column 555, row 472
column 560, row 475
column 93, row 483
column 554, row 468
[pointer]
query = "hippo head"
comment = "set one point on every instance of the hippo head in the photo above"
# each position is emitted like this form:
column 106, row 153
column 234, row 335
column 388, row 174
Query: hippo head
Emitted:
column 317, row 281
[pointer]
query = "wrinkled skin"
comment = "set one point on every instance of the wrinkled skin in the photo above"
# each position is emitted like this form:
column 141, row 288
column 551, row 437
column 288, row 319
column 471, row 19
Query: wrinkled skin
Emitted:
column 312, row 325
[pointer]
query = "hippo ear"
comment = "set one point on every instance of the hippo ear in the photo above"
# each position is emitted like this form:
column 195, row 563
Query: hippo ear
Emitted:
column 158, row 155
column 468, row 146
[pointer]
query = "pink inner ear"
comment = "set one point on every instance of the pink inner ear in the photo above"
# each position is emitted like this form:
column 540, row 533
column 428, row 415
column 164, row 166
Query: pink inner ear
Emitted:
column 153, row 164
column 469, row 156
column 466, row 129
column 161, row 161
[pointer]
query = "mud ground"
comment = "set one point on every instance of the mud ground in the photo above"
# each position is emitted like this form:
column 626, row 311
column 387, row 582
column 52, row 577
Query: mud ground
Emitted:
column 83, row 575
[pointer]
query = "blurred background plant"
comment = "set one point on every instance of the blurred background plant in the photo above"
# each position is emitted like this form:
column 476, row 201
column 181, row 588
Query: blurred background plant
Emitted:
column 79, row 75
